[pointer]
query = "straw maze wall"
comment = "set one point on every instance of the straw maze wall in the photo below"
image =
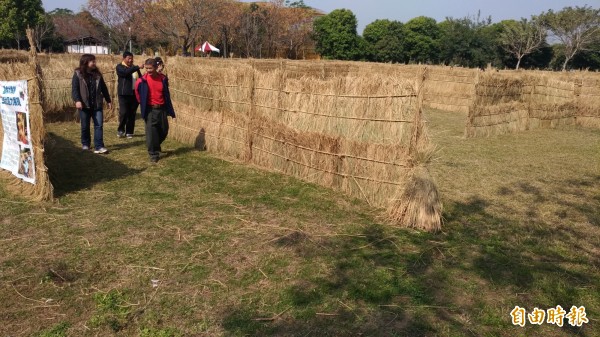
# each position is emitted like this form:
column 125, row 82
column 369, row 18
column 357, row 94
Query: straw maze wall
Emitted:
column 445, row 88
column 42, row 190
column 543, row 100
column 357, row 134
column 517, row 101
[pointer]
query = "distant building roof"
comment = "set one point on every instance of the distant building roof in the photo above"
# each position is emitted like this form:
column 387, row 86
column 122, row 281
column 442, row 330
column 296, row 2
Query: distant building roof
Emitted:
column 85, row 39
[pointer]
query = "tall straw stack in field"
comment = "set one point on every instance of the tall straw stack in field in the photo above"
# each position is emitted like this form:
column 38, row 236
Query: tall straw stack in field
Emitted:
column 30, row 71
column 418, row 203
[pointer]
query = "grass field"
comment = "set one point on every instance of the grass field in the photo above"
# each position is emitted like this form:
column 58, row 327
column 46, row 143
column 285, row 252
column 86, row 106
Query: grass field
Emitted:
column 239, row 251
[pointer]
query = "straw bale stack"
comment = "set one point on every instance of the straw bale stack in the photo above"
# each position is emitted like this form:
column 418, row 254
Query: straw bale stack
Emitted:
column 551, row 102
column 450, row 89
column 588, row 102
column 13, row 56
column 515, row 101
column 500, row 105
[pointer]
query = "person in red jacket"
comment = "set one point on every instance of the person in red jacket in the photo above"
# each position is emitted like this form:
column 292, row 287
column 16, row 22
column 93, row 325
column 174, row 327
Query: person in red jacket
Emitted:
column 152, row 91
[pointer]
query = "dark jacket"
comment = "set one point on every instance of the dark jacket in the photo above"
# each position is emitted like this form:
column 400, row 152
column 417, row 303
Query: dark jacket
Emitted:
column 125, row 79
column 80, row 91
column 142, row 90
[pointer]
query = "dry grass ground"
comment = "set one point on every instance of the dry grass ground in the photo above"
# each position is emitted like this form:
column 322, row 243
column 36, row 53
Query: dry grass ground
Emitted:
column 238, row 251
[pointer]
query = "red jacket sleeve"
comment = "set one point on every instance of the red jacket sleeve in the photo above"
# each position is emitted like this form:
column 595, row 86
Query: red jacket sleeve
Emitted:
column 137, row 93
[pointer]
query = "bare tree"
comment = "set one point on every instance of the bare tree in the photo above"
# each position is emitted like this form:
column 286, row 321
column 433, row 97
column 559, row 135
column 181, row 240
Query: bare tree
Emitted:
column 521, row 38
column 576, row 28
column 184, row 21
column 121, row 18
column 43, row 29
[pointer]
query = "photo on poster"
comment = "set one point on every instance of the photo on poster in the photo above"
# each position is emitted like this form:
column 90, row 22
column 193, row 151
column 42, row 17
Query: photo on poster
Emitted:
column 26, row 165
column 22, row 128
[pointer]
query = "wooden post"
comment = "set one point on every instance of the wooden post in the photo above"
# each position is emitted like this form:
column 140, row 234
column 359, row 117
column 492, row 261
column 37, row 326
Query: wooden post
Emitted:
column 471, row 111
column 251, row 113
column 281, row 88
column 417, row 121
column 42, row 190
column 577, row 96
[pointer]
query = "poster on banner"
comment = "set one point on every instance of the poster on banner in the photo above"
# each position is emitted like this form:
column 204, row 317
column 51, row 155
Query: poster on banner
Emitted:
column 17, row 151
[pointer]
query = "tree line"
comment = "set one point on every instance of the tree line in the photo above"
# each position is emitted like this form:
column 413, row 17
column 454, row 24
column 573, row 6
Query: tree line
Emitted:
column 569, row 38
column 278, row 28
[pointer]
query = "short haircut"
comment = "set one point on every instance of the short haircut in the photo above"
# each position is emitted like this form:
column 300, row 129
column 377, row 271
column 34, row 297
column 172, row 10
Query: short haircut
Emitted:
column 151, row 62
column 159, row 60
column 127, row 53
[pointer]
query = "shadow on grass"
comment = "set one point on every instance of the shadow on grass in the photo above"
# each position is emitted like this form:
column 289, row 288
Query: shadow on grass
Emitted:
column 72, row 169
column 390, row 282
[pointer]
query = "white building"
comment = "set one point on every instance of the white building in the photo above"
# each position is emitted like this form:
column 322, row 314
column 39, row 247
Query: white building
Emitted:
column 86, row 45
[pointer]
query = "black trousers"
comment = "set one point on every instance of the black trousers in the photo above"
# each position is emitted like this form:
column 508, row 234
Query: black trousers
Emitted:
column 157, row 129
column 127, row 108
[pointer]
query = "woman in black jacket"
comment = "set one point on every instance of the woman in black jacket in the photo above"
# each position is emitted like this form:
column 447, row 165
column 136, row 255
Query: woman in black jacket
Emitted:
column 89, row 92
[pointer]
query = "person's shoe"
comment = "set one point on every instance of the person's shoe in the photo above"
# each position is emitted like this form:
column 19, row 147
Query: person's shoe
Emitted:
column 129, row 136
column 121, row 134
column 85, row 148
column 153, row 160
column 101, row 150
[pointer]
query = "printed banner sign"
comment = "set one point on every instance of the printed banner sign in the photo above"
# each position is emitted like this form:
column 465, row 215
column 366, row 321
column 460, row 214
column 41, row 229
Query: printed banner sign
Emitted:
column 17, row 150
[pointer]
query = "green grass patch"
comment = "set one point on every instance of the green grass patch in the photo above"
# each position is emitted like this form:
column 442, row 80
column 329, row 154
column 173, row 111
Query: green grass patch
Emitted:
column 235, row 251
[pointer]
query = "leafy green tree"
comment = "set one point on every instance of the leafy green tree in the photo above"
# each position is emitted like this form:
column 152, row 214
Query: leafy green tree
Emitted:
column 336, row 38
column 422, row 40
column 17, row 16
column 576, row 28
column 61, row 11
column 296, row 4
column 385, row 39
column 469, row 42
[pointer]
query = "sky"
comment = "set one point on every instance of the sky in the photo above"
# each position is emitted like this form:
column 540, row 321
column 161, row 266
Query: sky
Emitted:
column 368, row 11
